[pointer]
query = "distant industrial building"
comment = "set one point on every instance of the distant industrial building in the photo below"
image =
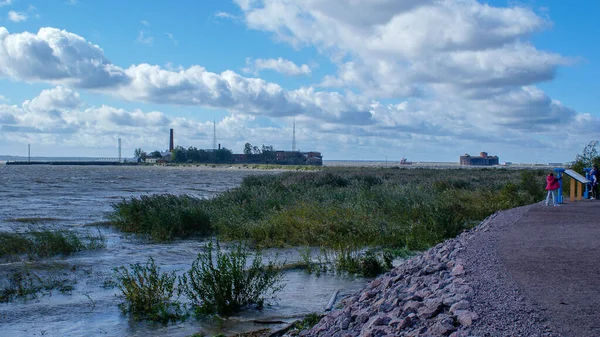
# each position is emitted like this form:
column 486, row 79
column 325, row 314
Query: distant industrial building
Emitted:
column 482, row 160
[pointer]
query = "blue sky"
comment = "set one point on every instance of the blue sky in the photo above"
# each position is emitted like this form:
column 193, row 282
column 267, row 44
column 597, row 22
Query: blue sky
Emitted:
column 364, row 80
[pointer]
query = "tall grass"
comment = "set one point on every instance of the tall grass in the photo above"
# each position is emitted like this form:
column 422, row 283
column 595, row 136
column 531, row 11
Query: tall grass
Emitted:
column 47, row 243
column 162, row 216
column 396, row 208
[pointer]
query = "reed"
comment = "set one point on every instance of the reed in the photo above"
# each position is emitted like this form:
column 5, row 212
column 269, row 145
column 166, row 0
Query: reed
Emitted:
column 409, row 209
column 47, row 243
column 161, row 216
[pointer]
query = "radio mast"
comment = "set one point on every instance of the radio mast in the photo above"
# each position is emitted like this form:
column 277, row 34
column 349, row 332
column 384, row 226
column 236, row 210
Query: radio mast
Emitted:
column 214, row 134
column 294, row 137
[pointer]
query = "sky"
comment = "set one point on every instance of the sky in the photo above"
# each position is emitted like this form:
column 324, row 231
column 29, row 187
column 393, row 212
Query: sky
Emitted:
column 429, row 80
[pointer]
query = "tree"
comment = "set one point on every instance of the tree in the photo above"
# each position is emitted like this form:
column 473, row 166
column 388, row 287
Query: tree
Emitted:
column 140, row 154
column 223, row 155
column 268, row 153
column 587, row 158
column 248, row 149
column 155, row 154
column 179, row 155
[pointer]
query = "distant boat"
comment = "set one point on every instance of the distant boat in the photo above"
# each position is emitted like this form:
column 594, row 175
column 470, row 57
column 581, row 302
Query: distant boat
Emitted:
column 404, row 161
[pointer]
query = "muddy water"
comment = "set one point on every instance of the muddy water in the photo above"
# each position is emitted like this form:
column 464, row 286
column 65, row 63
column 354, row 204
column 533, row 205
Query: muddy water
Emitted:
column 73, row 197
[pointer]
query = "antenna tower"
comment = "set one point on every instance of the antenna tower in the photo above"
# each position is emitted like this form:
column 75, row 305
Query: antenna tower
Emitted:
column 294, row 137
column 119, row 150
column 214, row 134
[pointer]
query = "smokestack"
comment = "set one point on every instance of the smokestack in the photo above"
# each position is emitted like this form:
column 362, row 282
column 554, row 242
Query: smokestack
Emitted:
column 219, row 146
column 171, row 142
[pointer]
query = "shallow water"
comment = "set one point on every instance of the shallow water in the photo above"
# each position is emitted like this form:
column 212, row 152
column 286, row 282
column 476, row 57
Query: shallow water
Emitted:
column 73, row 197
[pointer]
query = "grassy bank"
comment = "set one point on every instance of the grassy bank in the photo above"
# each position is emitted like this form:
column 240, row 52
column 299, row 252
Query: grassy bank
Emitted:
column 338, row 207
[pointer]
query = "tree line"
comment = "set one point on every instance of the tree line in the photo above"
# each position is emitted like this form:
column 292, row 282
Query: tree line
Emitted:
column 253, row 154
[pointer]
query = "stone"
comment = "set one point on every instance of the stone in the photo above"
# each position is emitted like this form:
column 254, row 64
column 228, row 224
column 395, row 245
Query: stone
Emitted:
column 458, row 270
column 441, row 328
column 411, row 307
column 466, row 317
column 462, row 305
column 430, row 309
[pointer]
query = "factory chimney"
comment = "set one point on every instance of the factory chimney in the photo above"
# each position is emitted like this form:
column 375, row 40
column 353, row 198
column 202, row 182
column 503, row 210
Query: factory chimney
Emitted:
column 171, row 142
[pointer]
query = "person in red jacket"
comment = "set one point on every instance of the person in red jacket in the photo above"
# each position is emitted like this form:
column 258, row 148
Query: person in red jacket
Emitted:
column 552, row 186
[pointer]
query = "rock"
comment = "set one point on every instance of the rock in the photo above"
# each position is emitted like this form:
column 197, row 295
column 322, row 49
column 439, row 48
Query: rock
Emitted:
column 466, row 317
column 458, row 270
column 462, row 305
column 411, row 307
column 442, row 328
column 430, row 309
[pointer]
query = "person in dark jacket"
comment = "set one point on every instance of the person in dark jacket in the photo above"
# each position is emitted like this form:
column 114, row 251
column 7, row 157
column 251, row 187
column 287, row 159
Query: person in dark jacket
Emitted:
column 552, row 186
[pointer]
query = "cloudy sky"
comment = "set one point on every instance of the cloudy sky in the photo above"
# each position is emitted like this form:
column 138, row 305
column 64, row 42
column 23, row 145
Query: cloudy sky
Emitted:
column 363, row 79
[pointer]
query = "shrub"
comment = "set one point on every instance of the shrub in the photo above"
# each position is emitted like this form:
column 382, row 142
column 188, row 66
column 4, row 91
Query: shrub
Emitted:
column 222, row 284
column 147, row 293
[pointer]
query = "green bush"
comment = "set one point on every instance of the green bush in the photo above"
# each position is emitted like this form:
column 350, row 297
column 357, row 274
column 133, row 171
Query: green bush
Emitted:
column 161, row 216
column 147, row 293
column 224, row 284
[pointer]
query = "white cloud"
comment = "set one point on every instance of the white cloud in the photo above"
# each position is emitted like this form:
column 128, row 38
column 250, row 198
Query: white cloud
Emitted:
column 5, row 2
column 56, row 56
column 225, row 15
column 4, row 99
column 279, row 65
column 399, row 47
column 145, row 23
column 17, row 16
column 171, row 38
column 145, row 39
column 457, row 73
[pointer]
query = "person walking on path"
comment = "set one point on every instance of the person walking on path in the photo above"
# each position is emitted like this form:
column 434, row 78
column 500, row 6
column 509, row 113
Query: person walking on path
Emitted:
column 552, row 186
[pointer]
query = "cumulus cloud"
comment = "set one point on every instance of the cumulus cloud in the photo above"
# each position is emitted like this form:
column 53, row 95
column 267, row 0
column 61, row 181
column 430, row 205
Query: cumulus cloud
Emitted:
column 402, row 45
column 5, row 2
column 279, row 65
column 56, row 56
column 17, row 16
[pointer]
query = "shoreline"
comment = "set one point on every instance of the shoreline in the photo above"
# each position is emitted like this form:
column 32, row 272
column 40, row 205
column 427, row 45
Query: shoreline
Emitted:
column 458, row 288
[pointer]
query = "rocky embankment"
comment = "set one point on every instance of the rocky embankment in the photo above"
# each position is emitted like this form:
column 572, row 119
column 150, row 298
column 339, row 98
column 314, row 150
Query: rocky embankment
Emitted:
column 458, row 288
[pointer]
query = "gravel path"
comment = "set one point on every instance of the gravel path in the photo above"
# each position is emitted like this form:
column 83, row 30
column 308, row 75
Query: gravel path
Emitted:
column 528, row 271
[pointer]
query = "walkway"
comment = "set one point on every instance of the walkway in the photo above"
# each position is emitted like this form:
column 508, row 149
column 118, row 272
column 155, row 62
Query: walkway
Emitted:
column 553, row 253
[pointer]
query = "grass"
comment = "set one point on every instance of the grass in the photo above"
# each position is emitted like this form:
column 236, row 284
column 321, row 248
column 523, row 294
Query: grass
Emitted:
column 32, row 220
column 46, row 243
column 161, row 216
column 25, row 284
column 333, row 208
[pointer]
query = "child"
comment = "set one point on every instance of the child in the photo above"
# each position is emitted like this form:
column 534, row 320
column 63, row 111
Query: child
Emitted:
column 552, row 186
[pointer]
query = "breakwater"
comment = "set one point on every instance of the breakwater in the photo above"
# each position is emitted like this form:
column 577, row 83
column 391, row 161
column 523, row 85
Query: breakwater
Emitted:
column 458, row 288
column 79, row 163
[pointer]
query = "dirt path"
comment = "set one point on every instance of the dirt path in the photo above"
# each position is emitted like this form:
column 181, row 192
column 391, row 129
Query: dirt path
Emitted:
column 553, row 255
